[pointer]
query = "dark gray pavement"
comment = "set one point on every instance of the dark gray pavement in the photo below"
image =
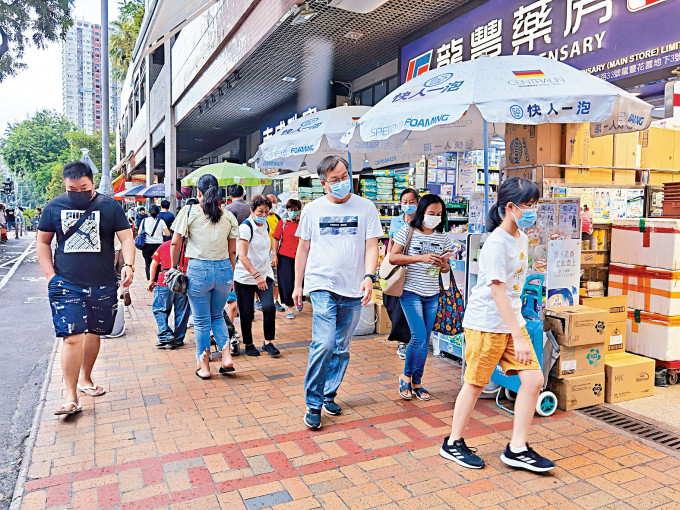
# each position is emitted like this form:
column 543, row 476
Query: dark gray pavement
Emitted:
column 26, row 341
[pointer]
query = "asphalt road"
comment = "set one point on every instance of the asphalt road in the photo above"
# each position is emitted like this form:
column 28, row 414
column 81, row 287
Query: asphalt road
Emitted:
column 26, row 341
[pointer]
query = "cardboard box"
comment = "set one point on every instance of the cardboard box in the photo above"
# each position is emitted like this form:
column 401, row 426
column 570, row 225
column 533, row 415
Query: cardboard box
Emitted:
column 590, row 293
column 653, row 335
column 577, row 325
column 650, row 289
column 578, row 392
column 650, row 242
column 594, row 258
column 581, row 149
column 628, row 377
column 657, row 148
column 383, row 325
column 625, row 156
column 579, row 361
column 615, row 332
column 532, row 145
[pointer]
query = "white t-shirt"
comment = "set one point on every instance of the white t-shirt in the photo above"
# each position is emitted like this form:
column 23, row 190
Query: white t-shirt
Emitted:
column 503, row 258
column 148, row 225
column 422, row 278
column 338, row 235
column 259, row 252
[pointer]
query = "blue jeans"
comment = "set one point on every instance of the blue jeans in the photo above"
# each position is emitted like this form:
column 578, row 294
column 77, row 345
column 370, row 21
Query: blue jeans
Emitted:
column 420, row 312
column 334, row 318
column 209, row 285
column 164, row 300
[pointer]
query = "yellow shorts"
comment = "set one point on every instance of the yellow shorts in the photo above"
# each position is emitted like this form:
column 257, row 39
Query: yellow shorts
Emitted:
column 483, row 351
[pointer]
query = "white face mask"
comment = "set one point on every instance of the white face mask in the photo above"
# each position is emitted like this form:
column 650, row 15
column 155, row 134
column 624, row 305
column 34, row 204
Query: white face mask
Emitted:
column 431, row 222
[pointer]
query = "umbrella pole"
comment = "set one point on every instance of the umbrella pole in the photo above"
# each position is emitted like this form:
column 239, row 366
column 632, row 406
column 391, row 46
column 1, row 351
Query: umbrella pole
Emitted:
column 486, row 171
column 351, row 179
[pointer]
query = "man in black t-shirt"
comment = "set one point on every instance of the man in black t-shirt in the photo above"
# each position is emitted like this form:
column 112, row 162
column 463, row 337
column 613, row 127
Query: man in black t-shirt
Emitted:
column 82, row 282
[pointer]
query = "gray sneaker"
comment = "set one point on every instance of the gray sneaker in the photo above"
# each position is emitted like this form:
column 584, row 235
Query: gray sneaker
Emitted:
column 401, row 350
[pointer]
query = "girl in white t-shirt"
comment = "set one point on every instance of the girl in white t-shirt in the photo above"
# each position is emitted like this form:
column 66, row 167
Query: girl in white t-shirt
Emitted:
column 495, row 332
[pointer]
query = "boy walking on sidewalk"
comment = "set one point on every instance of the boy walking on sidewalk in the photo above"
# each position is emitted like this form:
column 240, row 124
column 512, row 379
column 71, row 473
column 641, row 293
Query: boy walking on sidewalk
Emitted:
column 164, row 300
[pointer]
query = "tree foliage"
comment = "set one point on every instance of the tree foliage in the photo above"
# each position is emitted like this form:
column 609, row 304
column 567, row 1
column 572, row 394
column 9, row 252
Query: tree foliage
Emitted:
column 38, row 21
column 36, row 150
column 123, row 37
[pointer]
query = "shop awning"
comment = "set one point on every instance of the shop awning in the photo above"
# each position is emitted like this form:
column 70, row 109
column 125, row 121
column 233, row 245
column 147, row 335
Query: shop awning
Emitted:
column 122, row 162
column 164, row 19
column 300, row 173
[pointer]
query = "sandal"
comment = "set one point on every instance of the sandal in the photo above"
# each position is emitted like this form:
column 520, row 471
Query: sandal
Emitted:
column 200, row 376
column 418, row 392
column 63, row 408
column 403, row 387
column 92, row 391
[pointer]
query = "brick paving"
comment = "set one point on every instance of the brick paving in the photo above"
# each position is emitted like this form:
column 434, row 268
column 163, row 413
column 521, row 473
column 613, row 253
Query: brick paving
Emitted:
column 162, row 438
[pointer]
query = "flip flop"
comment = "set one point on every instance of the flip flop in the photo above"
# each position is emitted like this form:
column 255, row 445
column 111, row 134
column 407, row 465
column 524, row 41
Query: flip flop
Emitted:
column 74, row 410
column 403, row 387
column 200, row 376
column 92, row 391
column 227, row 370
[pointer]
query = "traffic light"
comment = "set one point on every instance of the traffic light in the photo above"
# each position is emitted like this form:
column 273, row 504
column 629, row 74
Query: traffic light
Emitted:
column 7, row 186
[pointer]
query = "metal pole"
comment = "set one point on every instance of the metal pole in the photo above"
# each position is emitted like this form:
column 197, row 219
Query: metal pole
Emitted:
column 105, row 186
column 486, row 171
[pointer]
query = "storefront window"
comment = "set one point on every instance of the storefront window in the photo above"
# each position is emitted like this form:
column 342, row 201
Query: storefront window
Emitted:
column 367, row 97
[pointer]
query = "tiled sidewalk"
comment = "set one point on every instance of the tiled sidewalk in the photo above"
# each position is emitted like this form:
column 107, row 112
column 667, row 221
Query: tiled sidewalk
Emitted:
column 161, row 437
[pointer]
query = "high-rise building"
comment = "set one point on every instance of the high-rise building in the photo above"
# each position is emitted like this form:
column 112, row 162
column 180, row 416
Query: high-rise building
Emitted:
column 81, row 79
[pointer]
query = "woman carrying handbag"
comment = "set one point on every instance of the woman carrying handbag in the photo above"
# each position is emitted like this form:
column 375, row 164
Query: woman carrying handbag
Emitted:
column 419, row 248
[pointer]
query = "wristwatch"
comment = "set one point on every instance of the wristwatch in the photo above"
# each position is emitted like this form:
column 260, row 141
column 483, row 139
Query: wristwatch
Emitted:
column 130, row 266
column 371, row 276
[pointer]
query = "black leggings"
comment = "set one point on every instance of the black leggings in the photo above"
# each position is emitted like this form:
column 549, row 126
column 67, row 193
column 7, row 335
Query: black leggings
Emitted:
column 147, row 252
column 286, row 279
column 245, row 296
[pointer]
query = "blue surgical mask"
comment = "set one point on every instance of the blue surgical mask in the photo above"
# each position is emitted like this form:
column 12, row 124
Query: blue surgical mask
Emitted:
column 260, row 220
column 408, row 209
column 528, row 218
column 341, row 189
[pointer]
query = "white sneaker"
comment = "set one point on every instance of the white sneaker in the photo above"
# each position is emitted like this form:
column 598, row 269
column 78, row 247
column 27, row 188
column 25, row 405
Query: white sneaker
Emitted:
column 401, row 350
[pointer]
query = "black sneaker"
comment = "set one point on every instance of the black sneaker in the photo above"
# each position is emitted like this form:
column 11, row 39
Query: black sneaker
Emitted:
column 313, row 419
column 332, row 408
column 162, row 344
column 251, row 350
column 462, row 454
column 271, row 349
column 234, row 347
column 528, row 459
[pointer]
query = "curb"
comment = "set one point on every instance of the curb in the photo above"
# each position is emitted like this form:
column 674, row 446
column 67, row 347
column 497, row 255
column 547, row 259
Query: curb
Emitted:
column 18, row 495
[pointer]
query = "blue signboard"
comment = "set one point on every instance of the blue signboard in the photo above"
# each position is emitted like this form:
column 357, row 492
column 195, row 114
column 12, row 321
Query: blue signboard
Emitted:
column 612, row 39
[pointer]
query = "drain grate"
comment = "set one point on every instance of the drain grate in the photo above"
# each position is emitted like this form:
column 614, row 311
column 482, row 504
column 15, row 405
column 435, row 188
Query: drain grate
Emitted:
column 634, row 426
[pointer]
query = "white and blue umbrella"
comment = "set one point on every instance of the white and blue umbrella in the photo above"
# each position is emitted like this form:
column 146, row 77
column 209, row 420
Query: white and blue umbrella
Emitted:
column 448, row 108
column 309, row 139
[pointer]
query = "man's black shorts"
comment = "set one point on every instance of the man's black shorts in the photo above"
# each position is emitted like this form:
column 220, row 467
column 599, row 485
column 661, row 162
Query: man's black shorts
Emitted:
column 77, row 309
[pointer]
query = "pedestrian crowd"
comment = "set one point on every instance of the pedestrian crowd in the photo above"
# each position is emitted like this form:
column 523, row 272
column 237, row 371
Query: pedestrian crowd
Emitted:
column 214, row 261
column 12, row 220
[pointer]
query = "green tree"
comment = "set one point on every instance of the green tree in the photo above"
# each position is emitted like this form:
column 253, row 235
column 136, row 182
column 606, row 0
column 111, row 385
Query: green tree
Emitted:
column 40, row 21
column 123, row 37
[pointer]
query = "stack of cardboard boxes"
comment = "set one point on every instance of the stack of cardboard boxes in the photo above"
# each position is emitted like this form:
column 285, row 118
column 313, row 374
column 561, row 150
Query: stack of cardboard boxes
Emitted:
column 578, row 376
column 593, row 366
column 646, row 267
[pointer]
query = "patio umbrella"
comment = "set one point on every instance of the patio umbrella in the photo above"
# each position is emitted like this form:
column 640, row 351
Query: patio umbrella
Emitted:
column 448, row 108
column 129, row 193
column 309, row 139
column 227, row 174
column 156, row 191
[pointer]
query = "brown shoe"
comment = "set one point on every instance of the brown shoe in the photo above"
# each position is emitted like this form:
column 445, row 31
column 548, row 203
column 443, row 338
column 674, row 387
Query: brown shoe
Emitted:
column 127, row 300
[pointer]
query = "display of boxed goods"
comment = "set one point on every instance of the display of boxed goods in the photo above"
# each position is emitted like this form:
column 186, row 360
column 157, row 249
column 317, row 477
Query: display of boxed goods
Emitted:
column 626, row 151
column 615, row 332
column 653, row 335
column 533, row 145
column 591, row 289
column 383, row 325
column 628, row 377
column 657, row 150
column 577, row 325
column 582, row 149
column 579, row 361
column 650, row 289
column 577, row 392
column 646, row 241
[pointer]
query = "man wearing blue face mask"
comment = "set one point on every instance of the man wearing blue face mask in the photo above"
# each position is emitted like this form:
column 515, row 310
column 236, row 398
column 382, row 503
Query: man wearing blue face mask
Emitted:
column 336, row 259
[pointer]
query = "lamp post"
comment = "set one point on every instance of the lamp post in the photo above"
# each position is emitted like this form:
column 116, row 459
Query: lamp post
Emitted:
column 105, row 186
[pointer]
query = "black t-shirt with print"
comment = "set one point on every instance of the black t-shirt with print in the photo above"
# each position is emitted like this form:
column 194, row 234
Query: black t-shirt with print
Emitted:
column 87, row 257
